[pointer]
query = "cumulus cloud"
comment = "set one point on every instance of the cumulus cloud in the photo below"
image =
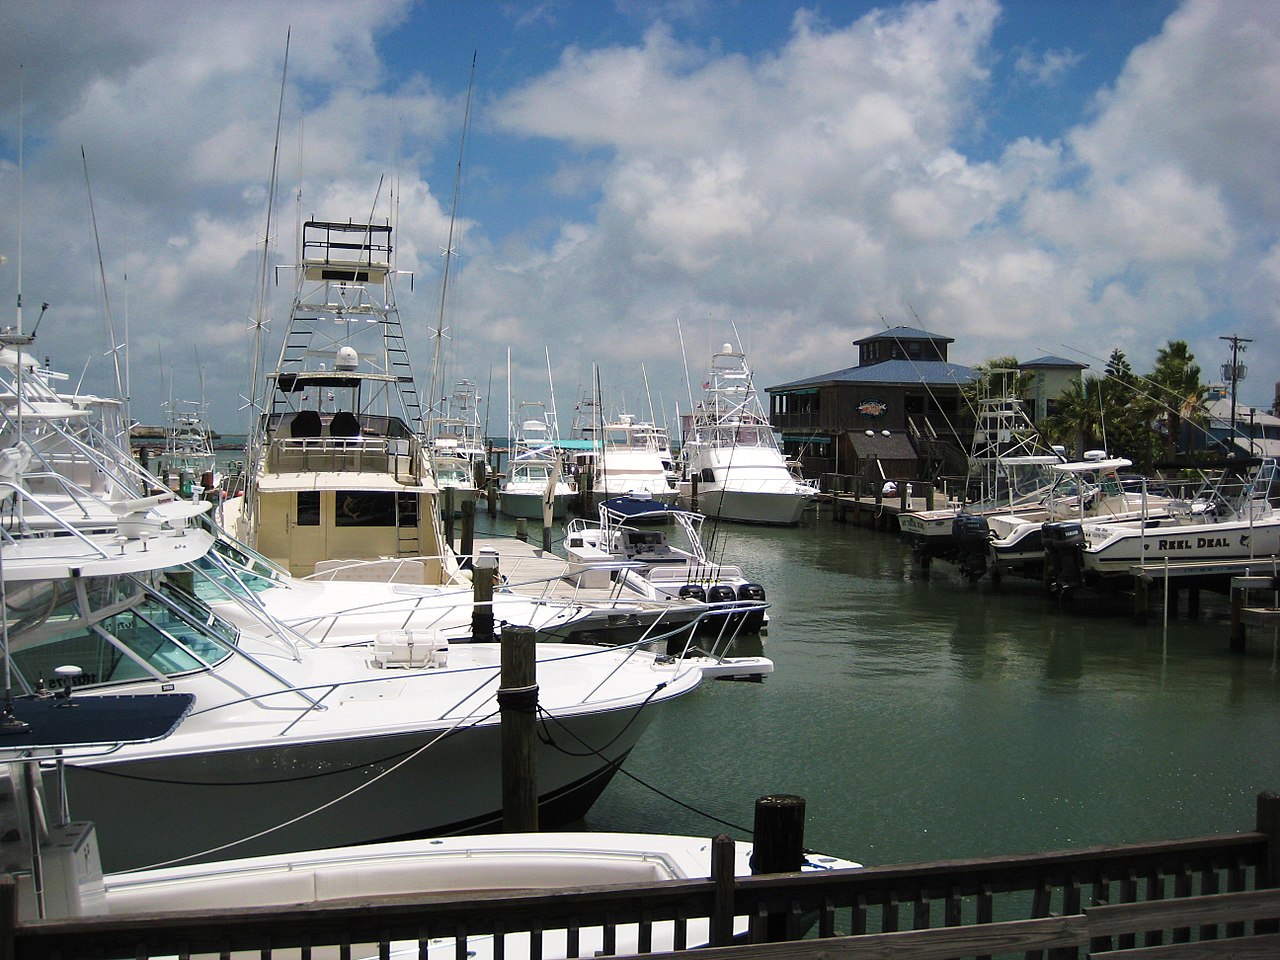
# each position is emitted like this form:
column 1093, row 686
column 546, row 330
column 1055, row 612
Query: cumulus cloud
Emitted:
column 807, row 192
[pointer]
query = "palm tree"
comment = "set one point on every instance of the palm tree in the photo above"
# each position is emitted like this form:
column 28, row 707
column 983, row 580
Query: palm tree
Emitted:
column 1180, row 394
column 1078, row 420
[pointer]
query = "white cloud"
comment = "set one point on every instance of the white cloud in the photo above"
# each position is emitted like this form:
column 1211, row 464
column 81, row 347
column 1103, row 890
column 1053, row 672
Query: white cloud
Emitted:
column 805, row 191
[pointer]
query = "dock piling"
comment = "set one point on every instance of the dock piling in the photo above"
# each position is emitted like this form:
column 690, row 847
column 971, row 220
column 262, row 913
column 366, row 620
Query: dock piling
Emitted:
column 484, row 573
column 468, row 531
column 778, row 835
column 518, row 704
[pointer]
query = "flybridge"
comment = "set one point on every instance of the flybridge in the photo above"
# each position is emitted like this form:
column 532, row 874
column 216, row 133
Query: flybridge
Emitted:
column 354, row 252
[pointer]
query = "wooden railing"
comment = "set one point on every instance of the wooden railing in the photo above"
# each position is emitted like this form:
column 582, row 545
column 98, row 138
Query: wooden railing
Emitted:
column 1201, row 897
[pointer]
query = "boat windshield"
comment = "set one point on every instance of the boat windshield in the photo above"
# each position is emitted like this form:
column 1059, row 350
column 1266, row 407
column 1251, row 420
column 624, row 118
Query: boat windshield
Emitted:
column 237, row 573
column 116, row 629
column 531, row 472
column 452, row 473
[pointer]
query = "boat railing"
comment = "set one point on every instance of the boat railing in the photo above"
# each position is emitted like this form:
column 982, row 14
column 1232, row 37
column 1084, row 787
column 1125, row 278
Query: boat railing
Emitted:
column 399, row 457
column 1209, row 896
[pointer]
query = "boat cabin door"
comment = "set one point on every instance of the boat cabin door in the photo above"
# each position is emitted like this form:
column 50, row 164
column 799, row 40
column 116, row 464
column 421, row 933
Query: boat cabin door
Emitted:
column 290, row 530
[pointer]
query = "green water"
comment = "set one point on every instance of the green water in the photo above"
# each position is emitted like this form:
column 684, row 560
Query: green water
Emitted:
column 924, row 717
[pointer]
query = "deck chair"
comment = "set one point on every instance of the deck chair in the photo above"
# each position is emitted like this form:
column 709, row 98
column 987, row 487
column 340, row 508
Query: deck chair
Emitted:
column 306, row 423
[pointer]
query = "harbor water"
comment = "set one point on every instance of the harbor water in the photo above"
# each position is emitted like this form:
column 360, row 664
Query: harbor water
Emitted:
column 924, row 717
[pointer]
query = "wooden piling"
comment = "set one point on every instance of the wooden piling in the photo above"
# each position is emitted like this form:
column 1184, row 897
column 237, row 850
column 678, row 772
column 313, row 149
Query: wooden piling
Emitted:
column 1141, row 598
column 1237, row 637
column 483, row 576
column 518, row 704
column 778, row 834
column 446, row 513
column 778, row 838
column 468, row 532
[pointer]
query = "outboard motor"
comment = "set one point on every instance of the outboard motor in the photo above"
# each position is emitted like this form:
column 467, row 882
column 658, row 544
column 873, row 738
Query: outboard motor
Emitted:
column 753, row 620
column 1063, row 564
column 720, row 593
column 695, row 591
column 970, row 536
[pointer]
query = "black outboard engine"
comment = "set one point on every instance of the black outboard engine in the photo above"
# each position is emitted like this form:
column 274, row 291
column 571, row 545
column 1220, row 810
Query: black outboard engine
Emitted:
column 753, row 620
column 1063, row 563
column 695, row 591
column 721, row 593
column 970, row 536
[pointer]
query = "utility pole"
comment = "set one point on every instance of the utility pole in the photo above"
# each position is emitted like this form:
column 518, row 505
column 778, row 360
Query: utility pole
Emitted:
column 1235, row 371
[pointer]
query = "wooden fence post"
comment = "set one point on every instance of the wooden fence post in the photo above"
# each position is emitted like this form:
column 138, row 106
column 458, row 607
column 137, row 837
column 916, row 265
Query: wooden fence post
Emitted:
column 518, row 703
column 724, row 875
column 1268, row 822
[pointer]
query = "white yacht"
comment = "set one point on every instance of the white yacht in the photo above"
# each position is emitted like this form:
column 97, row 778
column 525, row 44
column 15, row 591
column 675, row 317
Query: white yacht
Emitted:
column 629, row 457
column 534, row 484
column 290, row 742
column 337, row 466
column 731, row 465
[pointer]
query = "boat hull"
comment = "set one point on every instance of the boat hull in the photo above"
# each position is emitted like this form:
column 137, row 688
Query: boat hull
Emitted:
column 336, row 792
column 753, row 506
column 528, row 506
column 1111, row 551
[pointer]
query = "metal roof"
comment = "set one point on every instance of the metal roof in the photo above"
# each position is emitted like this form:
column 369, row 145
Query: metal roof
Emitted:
column 932, row 372
column 904, row 333
column 1049, row 360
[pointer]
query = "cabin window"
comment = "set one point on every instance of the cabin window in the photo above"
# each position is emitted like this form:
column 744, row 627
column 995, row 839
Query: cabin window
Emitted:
column 362, row 508
column 308, row 509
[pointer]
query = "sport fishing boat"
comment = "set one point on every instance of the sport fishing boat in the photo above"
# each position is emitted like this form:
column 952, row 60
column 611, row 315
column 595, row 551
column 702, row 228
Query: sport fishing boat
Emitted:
column 1009, row 471
column 337, row 465
column 1234, row 518
column 731, row 466
column 188, row 459
column 290, row 743
column 629, row 545
column 534, row 485
column 627, row 456
column 57, row 867
column 1091, row 489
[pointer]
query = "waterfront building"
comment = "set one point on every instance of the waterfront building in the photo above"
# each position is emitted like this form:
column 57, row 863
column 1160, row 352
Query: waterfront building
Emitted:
column 896, row 413
column 1048, row 377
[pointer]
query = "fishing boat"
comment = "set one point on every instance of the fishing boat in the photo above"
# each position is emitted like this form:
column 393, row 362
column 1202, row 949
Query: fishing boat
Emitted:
column 1090, row 489
column 56, row 863
column 629, row 545
column 627, row 458
column 1233, row 518
column 188, row 459
column 731, row 465
column 1009, row 470
column 534, row 485
column 338, row 469
column 290, row 743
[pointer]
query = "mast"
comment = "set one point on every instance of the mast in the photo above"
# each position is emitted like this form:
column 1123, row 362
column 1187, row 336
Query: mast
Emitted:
column 449, row 254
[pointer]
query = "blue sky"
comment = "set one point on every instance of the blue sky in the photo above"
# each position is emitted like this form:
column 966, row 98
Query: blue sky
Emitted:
column 1034, row 177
